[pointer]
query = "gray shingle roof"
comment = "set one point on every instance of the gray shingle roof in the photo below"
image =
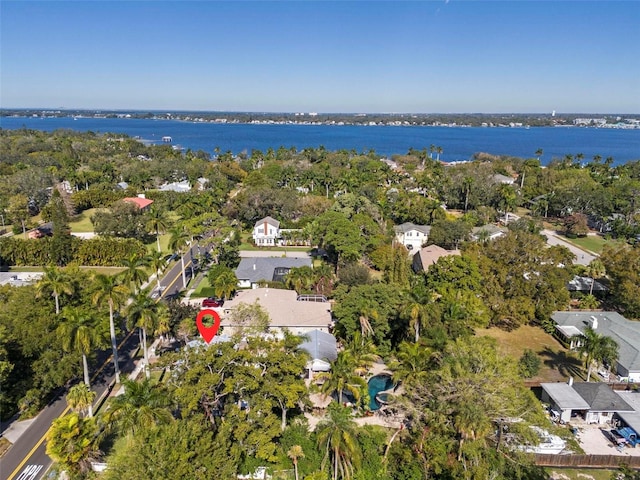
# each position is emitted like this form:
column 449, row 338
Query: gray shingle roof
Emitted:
column 408, row 226
column 600, row 397
column 564, row 396
column 625, row 332
column 269, row 220
column 261, row 268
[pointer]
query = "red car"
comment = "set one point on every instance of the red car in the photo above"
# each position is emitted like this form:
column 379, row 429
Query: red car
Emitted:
column 212, row 302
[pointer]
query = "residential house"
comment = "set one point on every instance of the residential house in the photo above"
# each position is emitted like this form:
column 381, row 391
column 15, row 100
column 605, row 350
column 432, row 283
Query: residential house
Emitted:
column 322, row 348
column 179, row 187
column 583, row 284
column 251, row 272
column 412, row 236
column 499, row 178
column 427, row 256
column 140, row 201
column 266, row 232
column 285, row 309
column 626, row 333
column 595, row 402
column 486, row 232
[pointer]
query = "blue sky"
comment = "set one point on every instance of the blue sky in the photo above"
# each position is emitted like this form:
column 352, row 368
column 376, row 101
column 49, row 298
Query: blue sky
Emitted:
column 302, row 56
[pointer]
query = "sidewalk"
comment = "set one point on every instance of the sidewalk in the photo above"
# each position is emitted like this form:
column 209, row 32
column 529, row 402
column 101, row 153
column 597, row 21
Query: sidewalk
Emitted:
column 13, row 428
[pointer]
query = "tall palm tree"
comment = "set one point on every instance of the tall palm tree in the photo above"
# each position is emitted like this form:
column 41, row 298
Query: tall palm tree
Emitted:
column 225, row 284
column 78, row 333
column 343, row 377
column 595, row 270
column 157, row 221
column 134, row 274
column 142, row 312
column 294, row 453
column 597, row 348
column 337, row 436
column 417, row 311
column 109, row 290
column 178, row 240
column 140, row 407
column 156, row 262
column 57, row 282
column 80, row 398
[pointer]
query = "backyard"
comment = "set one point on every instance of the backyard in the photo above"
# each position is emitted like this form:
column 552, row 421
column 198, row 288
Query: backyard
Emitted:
column 558, row 363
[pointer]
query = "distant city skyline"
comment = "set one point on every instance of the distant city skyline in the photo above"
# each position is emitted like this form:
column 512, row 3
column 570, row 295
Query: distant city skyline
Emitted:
column 444, row 56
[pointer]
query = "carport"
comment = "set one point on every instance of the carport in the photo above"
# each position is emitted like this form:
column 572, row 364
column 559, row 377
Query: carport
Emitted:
column 564, row 399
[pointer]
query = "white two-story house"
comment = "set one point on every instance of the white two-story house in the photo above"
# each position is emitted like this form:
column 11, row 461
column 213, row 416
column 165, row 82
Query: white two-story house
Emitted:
column 412, row 236
column 266, row 232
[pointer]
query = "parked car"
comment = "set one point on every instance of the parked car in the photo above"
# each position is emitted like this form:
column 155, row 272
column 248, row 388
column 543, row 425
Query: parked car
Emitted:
column 212, row 302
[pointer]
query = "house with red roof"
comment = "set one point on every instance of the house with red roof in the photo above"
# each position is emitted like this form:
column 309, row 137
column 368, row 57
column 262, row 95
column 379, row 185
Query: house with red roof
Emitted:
column 142, row 202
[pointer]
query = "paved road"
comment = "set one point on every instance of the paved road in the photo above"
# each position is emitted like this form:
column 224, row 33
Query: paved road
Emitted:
column 27, row 459
column 582, row 257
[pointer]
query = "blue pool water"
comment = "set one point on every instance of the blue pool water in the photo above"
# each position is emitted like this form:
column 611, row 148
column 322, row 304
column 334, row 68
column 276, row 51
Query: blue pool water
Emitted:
column 378, row 383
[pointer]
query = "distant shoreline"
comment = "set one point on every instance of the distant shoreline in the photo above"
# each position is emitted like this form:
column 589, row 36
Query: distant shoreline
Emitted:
column 514, row 120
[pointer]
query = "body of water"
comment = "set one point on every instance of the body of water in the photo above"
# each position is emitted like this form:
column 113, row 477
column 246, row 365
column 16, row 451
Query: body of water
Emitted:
column 457, row 143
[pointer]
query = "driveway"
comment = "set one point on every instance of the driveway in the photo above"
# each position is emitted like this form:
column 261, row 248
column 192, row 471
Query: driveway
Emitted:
column 582, row 256
column 593, row 442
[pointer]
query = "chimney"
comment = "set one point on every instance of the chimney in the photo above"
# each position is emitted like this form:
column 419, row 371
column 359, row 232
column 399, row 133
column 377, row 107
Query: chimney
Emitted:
column 593, row 322
column 142, row 195
column 570, row 381
column 254, row 266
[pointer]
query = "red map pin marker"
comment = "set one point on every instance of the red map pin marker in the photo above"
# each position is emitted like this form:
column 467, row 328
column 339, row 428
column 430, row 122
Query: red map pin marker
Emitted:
column 208, row 332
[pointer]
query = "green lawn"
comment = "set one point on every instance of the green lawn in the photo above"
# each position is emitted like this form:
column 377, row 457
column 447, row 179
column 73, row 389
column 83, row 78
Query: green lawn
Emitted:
column 593, row 243
column 584, row 474
column 82, row 221
column 164, row 244
column 557, row 362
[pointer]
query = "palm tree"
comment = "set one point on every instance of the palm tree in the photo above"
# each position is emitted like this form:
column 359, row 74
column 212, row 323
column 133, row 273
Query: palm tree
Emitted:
column 78, row 334
column 157, row 221
column 225, row 284
column 142, row 312
column 597, row 348
column 109, row 290
column 595, row 270
column 413, row 361
column 337, row 435
column 134, row 274
column 294, row 453
column 178, row 240
column 362, row 352
column 467, row 183
column 157, row 263
column 140, row 407
column 438, row 152
column 57, row 282
column 366, row 314
column 300, row 279
column 73, row 443
column 417, row 312
column 80, row 398
column 342, row 377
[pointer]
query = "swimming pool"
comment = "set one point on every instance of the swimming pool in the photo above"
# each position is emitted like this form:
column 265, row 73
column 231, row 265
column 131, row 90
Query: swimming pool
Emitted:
column 377, row 384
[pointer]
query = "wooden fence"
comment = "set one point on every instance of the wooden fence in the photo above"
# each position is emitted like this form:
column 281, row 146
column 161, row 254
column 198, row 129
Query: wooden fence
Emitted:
column 586, row 461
